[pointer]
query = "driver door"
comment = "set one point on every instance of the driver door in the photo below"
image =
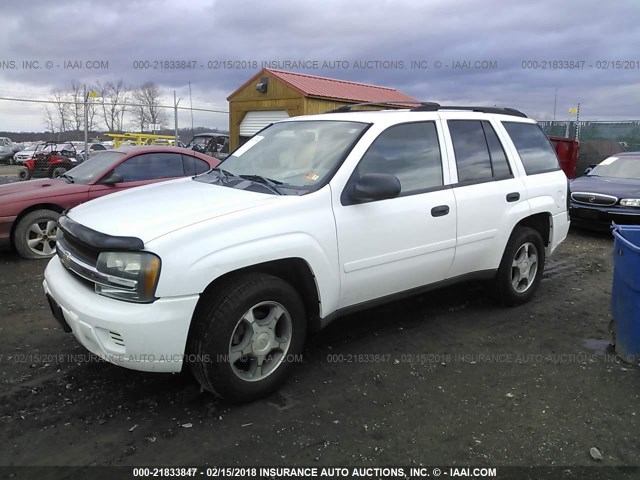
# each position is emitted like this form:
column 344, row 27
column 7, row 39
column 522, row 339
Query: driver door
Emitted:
column 394, row 245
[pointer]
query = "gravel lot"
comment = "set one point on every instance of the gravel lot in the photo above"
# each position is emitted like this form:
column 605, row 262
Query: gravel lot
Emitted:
column 445, row 378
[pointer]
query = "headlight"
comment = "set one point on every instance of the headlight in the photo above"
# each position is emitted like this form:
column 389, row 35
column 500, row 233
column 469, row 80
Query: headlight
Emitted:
column 129, row 276
column 630, row 202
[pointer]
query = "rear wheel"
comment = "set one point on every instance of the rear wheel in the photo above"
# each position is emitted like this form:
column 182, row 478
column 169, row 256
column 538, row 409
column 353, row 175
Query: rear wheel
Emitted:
column 35, row 234
column 246, row 337
column 521, row 267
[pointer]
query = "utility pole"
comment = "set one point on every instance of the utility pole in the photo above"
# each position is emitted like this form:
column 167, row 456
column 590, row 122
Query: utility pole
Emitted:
column 555, row 102
column 191, row 107
column 86, row 123
column 578, row 122
column 175, row 115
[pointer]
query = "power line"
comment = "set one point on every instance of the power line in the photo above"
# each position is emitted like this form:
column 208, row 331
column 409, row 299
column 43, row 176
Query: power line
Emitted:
column 69, row 102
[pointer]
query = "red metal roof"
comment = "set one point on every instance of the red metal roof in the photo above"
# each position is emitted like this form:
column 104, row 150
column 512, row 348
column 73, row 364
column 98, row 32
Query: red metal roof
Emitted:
column 314, row 86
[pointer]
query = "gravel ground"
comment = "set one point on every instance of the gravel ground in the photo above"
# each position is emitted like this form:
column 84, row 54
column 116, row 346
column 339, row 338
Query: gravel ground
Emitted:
column 446, row 378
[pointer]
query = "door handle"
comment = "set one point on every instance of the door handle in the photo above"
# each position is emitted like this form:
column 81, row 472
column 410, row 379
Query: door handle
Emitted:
column 513, row 197
column 440, row 210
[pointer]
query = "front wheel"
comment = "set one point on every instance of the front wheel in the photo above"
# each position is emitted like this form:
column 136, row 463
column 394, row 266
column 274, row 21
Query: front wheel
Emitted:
column 58, row 172
column 246, row 337
column 35, row 234
column 521, row 267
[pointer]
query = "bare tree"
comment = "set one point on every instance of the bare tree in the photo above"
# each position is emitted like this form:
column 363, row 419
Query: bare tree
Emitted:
column 114, row 98
column 147, row 98
column 49, row 119
column 76, row 94
column 63, row 110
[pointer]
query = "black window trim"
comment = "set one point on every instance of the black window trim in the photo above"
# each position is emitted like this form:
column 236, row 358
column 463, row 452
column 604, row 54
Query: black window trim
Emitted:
column 506, row 157
column 346, row 200
column 493, row 178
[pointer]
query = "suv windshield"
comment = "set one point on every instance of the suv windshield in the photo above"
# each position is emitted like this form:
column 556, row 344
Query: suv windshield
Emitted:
column 96, row 165
column 618, row 167
column 297, row 155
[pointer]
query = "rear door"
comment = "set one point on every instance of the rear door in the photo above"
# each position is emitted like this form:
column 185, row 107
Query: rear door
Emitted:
column 490, row 195
column 389, row 246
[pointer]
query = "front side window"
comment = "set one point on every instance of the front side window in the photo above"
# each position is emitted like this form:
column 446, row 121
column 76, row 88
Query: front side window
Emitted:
column 151, row 166
column 409, row 151
column 534, row 148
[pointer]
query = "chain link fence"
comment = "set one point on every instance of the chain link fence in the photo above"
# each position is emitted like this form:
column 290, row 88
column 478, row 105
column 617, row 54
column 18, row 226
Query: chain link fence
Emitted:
column 44, row 138
column 56, row 128
column 598, row 139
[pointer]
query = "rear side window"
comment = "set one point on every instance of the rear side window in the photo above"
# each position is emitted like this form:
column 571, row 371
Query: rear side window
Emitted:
column 499, row 162
column 533, row 146
column 194, row 166
column 470, row 147
column 479, row 153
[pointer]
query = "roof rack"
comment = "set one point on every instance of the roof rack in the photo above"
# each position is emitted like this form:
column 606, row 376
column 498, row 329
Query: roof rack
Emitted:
column 434, row 107
column 347, row 108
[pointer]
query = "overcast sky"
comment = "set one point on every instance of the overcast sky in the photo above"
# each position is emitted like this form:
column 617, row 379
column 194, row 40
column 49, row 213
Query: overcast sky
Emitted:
column 367, row 41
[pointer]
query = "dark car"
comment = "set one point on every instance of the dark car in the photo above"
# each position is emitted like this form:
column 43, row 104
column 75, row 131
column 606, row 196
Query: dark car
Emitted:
column 29, row 210
column 610, row 192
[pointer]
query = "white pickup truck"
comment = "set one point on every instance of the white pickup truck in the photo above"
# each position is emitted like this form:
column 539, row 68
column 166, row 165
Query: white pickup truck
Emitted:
column 314, row 217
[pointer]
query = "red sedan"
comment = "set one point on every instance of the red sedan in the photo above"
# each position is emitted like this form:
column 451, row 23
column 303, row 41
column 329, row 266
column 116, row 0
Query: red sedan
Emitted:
column 29, row 210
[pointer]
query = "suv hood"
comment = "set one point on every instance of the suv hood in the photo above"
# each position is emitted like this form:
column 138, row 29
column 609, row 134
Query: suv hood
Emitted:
column 154, row 210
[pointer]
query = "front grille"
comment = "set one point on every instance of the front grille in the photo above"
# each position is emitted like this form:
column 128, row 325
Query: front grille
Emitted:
column 594, row 198
column 77, row 249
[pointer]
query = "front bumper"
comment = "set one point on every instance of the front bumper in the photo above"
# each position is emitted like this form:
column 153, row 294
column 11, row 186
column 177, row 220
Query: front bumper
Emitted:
column 148, row 337
column 601, row 217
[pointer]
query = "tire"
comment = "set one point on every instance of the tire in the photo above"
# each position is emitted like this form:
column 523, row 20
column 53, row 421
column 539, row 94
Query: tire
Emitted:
column 24, row 174
column 35, row 234
column 224, row 348
column 514, row 285
column 58, row 172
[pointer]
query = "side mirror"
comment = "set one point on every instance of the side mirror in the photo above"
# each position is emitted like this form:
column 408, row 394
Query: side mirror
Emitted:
column 375, row 186
column 112, row 179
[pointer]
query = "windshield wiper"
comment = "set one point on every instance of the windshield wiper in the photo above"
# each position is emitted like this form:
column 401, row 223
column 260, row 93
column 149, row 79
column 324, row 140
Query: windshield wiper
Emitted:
column 269, row 182
column 67, row 177
column 222, row 173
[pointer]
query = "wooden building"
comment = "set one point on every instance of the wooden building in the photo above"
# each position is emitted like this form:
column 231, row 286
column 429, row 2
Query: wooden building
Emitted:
column 272, row 95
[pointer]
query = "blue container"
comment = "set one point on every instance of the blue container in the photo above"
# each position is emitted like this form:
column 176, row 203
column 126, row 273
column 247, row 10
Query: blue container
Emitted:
column 625, row 293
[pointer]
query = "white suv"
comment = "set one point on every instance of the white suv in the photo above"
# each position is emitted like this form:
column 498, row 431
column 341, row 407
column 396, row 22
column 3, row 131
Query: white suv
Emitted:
column 313, row 217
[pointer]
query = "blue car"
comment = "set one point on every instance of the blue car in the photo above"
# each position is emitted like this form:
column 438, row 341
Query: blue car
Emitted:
column 610, row 192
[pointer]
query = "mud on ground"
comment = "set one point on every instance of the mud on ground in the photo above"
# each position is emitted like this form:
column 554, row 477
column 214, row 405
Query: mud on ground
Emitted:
column 446, row 378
